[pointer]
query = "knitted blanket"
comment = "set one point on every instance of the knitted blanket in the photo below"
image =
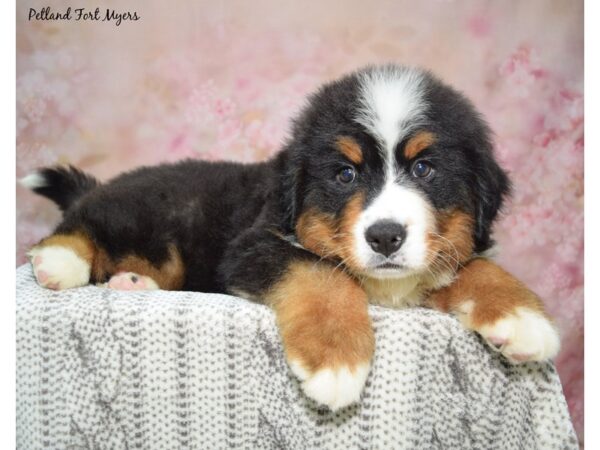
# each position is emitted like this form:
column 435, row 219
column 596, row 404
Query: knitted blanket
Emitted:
column 102, row 369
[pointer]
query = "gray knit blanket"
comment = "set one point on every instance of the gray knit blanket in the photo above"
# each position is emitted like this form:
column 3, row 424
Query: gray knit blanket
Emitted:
column 102, row 369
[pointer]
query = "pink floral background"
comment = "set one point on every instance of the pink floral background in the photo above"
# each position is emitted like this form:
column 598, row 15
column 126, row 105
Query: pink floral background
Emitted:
column 221, row 80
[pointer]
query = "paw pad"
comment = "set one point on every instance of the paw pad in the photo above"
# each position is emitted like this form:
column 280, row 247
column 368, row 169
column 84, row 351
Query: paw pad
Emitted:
column 129, row 281
column 42, row 276
column 496, row 342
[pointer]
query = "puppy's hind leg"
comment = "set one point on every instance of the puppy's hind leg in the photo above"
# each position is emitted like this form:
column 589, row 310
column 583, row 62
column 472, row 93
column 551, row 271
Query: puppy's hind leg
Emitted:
column 136, row 273
column 63, row 261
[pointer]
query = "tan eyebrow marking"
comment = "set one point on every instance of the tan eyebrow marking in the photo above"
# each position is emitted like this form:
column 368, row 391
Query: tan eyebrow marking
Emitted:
column 350, row 149
column 418, row 143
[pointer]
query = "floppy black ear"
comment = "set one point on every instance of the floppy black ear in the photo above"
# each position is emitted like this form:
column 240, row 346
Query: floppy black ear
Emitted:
column 290, row 187
column 492, row 186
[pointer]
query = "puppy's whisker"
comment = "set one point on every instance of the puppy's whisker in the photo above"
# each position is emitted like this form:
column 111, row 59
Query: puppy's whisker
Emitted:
column 452, row 246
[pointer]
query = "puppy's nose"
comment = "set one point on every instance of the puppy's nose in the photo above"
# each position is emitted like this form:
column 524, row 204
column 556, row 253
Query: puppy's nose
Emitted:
column 385, row 236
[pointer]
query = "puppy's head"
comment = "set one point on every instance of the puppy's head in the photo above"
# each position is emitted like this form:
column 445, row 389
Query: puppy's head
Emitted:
column 391, row 172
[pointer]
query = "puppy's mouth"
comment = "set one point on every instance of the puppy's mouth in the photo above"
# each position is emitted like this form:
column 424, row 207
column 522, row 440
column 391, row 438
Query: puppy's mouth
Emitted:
column 389, row 270
column 389, row 265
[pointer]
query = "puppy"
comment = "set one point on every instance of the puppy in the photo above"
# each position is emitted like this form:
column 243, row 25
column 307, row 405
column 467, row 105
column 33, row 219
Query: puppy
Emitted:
column 385, row 193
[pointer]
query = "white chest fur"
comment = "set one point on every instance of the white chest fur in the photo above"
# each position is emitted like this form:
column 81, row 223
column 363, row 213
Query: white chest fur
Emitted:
column 403, row 292
column 396, row 293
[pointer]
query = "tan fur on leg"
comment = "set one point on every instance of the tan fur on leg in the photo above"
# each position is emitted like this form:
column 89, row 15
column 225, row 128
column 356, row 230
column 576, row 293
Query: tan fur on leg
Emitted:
column 63, row 261
column 503, row 310
column 326, row 331
column 168, row 276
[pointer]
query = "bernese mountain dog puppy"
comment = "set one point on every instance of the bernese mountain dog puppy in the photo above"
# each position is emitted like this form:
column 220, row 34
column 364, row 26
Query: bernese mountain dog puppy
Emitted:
column 386, row 193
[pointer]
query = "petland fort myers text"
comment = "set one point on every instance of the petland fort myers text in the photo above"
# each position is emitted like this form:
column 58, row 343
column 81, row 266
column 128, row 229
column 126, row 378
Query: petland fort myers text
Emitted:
column 84, row 15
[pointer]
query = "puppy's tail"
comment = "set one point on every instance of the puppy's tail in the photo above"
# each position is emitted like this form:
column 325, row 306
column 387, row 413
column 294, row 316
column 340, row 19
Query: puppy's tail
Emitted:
column 62, row 185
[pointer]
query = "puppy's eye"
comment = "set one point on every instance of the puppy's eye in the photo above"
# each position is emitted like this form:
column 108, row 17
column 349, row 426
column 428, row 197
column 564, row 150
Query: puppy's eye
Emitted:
column 421, row 169
column 346, row 175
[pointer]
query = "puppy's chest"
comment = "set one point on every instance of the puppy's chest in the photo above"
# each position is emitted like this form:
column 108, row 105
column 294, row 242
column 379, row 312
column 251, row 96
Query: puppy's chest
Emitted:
column 394, row 293
column 402, row 293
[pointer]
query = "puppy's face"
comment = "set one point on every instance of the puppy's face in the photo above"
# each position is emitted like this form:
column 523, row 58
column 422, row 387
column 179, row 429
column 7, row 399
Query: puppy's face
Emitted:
column 392, row 173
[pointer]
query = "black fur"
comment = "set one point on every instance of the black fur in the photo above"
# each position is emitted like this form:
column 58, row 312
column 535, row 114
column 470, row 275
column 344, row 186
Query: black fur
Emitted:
column 474, row 177
column 234, row 224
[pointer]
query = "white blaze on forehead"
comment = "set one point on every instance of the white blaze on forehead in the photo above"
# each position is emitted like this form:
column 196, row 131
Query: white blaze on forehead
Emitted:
column 392, row 103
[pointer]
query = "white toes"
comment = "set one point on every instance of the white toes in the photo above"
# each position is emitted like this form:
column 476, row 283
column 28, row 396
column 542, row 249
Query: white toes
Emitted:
column 334, row 387
column 57, row 267
column 523, row 336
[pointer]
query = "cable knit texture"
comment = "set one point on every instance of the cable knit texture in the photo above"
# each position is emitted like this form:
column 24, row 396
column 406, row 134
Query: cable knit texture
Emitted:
column 102, row 369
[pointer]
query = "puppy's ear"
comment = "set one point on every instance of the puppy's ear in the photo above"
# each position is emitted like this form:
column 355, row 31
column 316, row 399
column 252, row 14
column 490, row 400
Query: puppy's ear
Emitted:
column 491, row 188
column 290, row 186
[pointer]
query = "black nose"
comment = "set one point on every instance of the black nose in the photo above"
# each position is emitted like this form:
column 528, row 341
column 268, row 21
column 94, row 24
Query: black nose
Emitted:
column 385, row 237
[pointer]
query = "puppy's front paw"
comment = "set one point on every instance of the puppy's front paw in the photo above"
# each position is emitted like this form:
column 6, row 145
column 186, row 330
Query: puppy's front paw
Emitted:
column 508, row 315
column 525, row 335
column 334, row 387
column 57, row 267
column 326, row 332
